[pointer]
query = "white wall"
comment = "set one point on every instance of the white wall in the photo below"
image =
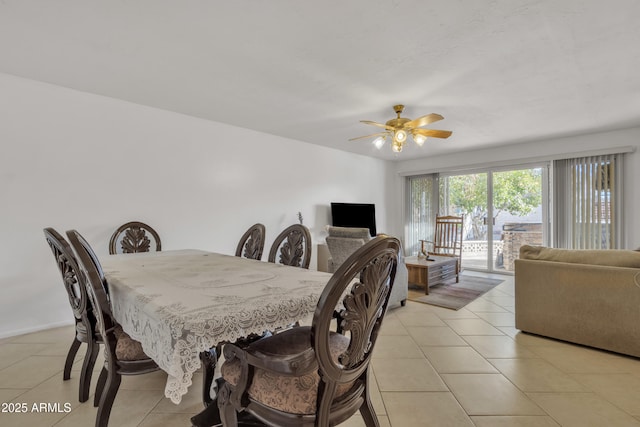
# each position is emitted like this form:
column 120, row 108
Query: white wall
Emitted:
column 75, row 160
column 538, row 150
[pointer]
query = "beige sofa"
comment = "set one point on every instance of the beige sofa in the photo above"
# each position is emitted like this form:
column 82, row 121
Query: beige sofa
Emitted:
column 589, row 297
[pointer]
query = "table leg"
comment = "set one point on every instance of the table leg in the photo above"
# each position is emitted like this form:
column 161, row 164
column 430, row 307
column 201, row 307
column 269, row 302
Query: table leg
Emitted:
column 209, row 417
column 426, row 282
column 209, row 361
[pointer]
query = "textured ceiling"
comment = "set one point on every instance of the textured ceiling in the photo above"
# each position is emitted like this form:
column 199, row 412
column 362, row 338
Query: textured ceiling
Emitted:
column 501, row 71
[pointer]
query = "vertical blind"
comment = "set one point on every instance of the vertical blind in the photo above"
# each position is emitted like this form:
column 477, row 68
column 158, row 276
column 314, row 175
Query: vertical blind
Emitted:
column 588, row 201
column 422, row 206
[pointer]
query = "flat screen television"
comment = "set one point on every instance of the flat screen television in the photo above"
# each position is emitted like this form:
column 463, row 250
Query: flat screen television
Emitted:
column 354, row 215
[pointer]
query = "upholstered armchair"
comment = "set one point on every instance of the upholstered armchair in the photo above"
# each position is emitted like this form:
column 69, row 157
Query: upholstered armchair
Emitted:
column 343, row 241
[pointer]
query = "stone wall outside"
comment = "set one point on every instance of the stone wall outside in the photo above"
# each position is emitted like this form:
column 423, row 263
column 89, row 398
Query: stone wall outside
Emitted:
column 516, row 235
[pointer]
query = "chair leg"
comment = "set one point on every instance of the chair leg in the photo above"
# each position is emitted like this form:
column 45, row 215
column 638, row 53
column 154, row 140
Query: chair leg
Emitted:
column 107, row 397
column 87, row 369
column 73, row 350
column 368, row 413
column 228, row 414
column 102, row 379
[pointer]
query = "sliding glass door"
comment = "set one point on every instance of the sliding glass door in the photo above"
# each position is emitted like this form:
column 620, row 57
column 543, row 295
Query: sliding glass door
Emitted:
column 467, row 196
column 519, row 215
column 503, row 209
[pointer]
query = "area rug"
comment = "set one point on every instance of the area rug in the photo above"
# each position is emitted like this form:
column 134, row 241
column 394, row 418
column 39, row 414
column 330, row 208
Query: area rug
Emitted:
column 453, row 295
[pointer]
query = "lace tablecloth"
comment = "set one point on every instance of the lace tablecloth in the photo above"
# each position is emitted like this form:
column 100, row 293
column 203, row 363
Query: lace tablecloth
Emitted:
column 180, row 303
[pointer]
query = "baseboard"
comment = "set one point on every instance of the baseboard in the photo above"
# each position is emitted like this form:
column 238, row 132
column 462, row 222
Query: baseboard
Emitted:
column 9, row 334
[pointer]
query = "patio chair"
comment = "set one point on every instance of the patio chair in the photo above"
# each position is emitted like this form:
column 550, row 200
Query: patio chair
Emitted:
column 447, row 239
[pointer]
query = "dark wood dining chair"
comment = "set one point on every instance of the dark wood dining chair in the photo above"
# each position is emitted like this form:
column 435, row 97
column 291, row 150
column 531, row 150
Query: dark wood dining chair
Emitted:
column 292, row 247
column 251, row 244
column 85, row 330
column 123, row 355
column 317, row 375
column 134, row 236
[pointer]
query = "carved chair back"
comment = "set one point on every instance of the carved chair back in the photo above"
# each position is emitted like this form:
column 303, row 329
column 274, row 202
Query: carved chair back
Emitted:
column 134, row 236
column 251, row 244
column 68, row 267
column 293, row 246
column 85, row 323
column 91, row 277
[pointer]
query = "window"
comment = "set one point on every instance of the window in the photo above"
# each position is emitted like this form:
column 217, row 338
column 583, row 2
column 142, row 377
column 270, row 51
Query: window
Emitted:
column 421, row 210
column 503, row 208
column 588, row 202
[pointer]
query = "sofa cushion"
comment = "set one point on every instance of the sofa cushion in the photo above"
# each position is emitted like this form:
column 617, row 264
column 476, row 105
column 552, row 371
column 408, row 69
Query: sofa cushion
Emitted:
column 608, row 257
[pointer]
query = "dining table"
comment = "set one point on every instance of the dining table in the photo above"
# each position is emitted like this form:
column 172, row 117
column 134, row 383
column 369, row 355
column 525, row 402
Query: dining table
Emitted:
column 180, row 303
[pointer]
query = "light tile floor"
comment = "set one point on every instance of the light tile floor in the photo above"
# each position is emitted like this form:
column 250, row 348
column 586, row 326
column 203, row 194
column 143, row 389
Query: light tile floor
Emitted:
column 432, row 367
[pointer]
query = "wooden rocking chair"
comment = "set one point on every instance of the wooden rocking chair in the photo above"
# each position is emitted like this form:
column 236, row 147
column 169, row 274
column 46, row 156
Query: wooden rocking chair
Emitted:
column 447, row 239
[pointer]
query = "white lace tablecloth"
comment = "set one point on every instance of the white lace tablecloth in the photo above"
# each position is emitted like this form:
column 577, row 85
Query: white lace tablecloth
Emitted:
column 180, row 303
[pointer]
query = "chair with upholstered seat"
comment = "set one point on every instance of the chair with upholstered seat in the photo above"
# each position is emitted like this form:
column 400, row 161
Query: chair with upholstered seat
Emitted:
column 293, row 246
column 342, row 242
column 251, row 243
column 317, row 375
column 133, row 237
column 123, row 355
column 82, row 312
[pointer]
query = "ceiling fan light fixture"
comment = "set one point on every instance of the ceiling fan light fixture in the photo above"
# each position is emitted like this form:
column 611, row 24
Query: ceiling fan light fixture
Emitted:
column 399, row 129
column 400, row 136
column 419, row 139
column 379, row 142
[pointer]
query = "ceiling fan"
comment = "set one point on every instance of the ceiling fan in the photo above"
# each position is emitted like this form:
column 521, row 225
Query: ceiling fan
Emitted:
column 400, row 127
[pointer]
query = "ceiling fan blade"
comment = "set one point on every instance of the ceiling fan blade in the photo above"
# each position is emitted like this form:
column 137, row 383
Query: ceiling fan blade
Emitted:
column 369, row 136
column 434, row 133
column 369, row 122
column 424, row 120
